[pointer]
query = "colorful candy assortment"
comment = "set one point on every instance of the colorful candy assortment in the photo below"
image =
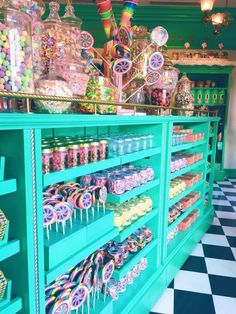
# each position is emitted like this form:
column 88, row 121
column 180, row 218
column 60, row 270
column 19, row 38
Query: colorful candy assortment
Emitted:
column 3, row 224
column 181, row 136
column 115, row 287
column 120, row 252
column 70, row 291
column 3, row 285
column 176, row 210
column 184, row 225
column 60, row 203
column 184, row 159
column 16, row 73
column 180, row 184
column 127, row 178
column 127, row 213
column 66, row 152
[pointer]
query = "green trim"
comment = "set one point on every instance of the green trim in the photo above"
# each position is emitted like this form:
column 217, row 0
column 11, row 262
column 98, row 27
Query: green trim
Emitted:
column 230, row 173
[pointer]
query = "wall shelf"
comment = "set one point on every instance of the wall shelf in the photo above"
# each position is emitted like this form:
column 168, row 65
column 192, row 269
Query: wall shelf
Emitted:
column 186, row 169
column 183, row 194
column 186, row 146
column 118, row 199
column 14, row 306
column 136, row 225
column 7, row 186
column 133, row 260
column 9, row 249
column 71, row 173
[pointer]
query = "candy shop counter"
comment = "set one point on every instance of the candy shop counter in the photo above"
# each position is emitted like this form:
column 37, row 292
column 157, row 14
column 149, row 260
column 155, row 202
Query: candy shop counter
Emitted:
column 99, row 212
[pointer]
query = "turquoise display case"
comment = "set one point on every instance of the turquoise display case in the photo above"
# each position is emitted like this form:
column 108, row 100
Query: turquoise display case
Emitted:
column 32, row 261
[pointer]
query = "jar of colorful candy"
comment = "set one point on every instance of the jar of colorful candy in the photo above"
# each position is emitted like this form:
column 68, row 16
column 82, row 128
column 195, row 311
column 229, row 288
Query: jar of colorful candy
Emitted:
column 73, row 155
column 116, row 185
column 60, row 157
column 47, row 160
column 94, row 151
column 103, row 149
column 84, row 153
column 100, row 88
column 16, row 69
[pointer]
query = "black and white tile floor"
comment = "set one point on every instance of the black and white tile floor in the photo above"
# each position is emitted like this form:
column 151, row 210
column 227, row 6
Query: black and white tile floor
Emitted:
column 206, row 284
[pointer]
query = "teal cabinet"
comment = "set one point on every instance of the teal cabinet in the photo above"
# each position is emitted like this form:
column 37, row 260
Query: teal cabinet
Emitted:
column 38, row 261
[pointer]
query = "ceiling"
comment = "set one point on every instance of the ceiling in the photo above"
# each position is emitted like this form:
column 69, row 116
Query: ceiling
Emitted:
column 218, row 3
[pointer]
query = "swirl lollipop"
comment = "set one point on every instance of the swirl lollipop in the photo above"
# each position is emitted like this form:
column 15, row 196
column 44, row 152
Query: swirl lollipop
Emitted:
column 102, row 197
column 63, row 212
column 107, row 272
column 159, row 36
column 49, row 217
column 60, row 307
column 85, row 202
column 86, row 40
column 78, row 297
column 156, row 61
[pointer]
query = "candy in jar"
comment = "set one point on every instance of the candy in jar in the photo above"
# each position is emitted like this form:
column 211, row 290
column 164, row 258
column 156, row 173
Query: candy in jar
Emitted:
column 116, row 185
column 84, row 153
column 16, row 68
column 60, row 157
column 73, row 155
column 94, row 151
column 103, row 149
column 47, row 160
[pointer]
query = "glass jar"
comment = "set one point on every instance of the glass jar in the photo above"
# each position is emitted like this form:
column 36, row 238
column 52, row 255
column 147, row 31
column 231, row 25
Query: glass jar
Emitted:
column 116, row 185
column 53, row 36
column 60, row 158
column 16, row 68
column 100, row 88
column 36, row 9
column 120, row 147
column 72, row 28
column 94, row 151
column 47, row 159
column 184, row 98
column 103, row 149
column 73, row 155
column 128, row 146
column 84, row 153
column 150, row 141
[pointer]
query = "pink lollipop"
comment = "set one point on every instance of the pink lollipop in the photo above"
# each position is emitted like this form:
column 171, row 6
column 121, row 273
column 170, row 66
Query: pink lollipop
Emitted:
column 156, row 61
column 86, row 40
column 107, row 272
column 124, row 36
column 122, row 66
column 152, row 77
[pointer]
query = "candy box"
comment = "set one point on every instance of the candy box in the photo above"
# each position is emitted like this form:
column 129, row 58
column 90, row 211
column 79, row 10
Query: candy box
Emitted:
column 184, row 225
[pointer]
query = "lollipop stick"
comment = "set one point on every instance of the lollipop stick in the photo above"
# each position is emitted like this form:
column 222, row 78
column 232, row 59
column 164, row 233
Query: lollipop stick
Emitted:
column 56, row 227
column 75, row 213
column 135, row 92
column 50, row 227
column 87, row 215
column 92, row 211
column 105, row 292
column 71, row 222
column 98, row 206
column 47, row 232
column 83, row 308
column 88, row 303
column 81, row 217
column 94, row 297
column 103, row 206
column 63, row 227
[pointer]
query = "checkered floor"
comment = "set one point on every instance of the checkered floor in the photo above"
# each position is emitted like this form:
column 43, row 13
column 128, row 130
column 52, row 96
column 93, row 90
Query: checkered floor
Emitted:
column 206, row 284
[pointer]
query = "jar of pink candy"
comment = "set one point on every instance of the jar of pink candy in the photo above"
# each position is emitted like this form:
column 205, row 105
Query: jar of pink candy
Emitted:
column 103, row 149
column 60, row 157
column 94, row 151
column 84, row 153
column 128, row 182
column 16, row 68
column 116, row 185
column 47, row 160
column 100, row 179
column 73, row 155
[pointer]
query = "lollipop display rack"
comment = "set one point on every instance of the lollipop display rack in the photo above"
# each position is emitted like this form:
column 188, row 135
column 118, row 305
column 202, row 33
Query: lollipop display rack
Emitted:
column 64, row 220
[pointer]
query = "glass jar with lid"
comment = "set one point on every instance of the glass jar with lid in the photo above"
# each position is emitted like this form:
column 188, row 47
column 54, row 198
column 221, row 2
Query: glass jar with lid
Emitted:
column 16, row 68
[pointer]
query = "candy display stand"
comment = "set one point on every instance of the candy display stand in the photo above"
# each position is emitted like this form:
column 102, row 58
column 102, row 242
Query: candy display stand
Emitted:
column 42, row 259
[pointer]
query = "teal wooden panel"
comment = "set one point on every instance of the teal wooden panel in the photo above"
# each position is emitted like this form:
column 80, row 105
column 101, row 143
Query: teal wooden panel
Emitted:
column 9, row 249
column 12, row 307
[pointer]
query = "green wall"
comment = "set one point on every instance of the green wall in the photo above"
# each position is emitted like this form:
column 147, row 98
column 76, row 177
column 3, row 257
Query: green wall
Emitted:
column 183, row 23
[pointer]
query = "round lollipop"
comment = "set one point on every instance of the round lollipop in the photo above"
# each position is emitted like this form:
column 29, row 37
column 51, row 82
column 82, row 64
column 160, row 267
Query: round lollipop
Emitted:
column 86, row 40
column 107, row 272
column 156, row 61
column 124, row 36
column 63, row 212
column 122, row 66
column 49, row 217
column 159, row 36
column 60, row 307
column 85, row 202
column 102, row 196
column 78, row 297
column 152, row 77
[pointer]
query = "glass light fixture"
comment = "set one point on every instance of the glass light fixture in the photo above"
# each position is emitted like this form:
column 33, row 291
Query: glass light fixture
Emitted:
column 217, row 19
column 207, row 5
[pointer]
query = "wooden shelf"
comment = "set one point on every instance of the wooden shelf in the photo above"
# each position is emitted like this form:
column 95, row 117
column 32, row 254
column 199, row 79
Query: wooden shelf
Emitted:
column 186, row 169
column 7, row 186
column 9, row 249
column 14, row 306
column 185, row 146
column 71, row 173
column 118, row 199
